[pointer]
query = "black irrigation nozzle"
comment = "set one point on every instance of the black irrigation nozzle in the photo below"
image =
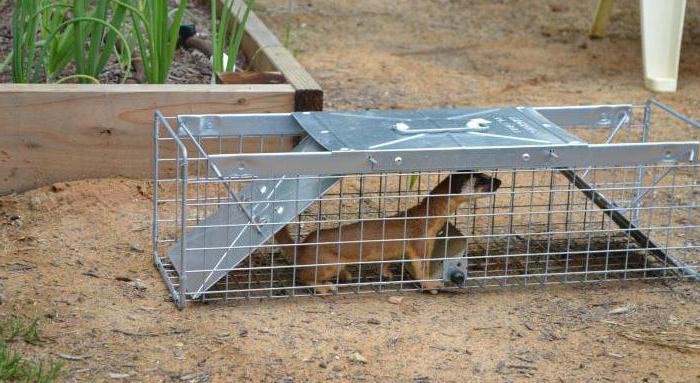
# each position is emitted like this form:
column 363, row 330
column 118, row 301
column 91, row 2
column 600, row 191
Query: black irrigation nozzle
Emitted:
column 186, row 31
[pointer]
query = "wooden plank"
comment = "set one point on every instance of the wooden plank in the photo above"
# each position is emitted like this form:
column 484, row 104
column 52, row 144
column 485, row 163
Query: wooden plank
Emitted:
column 52, row 133
column 250, row 78
column 266, row 53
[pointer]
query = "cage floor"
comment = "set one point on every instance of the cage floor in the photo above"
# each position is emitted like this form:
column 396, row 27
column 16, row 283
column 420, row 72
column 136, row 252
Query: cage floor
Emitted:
column 520, row 262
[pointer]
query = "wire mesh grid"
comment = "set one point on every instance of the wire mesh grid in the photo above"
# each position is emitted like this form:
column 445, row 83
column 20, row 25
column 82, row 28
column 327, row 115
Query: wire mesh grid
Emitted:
column 530, row 226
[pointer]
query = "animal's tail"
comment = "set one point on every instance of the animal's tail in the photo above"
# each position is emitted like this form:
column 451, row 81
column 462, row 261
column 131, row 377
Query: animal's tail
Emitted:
column 282, row 237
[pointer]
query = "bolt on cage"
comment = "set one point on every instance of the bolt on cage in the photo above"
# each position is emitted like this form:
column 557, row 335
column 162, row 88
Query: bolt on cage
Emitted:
column 577, row 194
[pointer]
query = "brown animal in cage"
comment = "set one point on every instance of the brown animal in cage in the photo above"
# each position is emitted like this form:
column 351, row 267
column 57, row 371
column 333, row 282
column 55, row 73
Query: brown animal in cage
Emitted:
column 411, row 233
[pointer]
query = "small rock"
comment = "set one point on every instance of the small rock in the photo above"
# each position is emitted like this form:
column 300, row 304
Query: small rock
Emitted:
column 118, row 376
column 393, row 340
column 356, row 357
column 395, row 300
column 136, row 247
column 621, row 310
column 500, row 366
column 322, row 364
column 337, row 368
column 137, row 284
column 123, row 279
column 243, row 332
column 72, row 357
column 373, row 321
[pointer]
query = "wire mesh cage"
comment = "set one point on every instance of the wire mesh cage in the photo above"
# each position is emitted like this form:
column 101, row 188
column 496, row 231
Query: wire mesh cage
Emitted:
column 283, row 205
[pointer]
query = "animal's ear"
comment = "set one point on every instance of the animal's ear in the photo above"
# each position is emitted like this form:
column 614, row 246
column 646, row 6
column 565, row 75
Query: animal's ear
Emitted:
column 486, row 184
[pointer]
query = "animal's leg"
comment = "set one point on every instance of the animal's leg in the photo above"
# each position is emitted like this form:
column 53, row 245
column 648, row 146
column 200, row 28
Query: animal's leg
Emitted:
column 345, row 276
column 326, row 288
column 420, row 269
column 318, row 275
column 387, row 274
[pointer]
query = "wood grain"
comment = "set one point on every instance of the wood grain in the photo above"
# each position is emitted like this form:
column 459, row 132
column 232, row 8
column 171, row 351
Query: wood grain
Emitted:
column 52, row 133
column 250, row 78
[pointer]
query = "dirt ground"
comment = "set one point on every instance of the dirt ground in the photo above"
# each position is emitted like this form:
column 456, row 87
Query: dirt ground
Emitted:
column 77, row 256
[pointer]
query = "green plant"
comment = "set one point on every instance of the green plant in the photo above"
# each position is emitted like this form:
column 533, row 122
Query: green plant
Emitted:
column 412, row 181
column 24, row 40
column 88, row 24
column 14, row 328
column 59, row 52
column 80, row 32
column 14, row 367
column 222, row 32
column 155, row 36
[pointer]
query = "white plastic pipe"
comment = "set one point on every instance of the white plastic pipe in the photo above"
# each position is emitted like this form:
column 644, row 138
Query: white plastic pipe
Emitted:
column 662, row 31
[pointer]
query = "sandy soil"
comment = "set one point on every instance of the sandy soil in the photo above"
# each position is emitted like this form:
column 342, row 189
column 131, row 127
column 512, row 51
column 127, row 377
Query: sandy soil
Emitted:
column 77, row 255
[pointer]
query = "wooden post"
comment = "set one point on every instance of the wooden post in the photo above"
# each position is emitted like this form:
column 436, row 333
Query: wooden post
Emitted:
column 602, row 19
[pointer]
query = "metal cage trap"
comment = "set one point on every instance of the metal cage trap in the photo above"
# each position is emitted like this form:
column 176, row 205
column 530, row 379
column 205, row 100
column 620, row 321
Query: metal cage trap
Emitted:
column 281, row 205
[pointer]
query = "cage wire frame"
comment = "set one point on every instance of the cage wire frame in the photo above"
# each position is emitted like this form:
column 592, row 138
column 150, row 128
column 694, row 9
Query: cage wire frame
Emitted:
column 631, row 212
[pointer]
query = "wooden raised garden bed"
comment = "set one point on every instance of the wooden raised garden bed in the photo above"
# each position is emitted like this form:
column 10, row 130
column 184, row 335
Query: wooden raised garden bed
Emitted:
column 56, row 132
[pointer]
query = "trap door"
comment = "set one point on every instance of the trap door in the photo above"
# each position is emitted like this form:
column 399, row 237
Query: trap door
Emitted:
column 434, row 128
column 229, row 235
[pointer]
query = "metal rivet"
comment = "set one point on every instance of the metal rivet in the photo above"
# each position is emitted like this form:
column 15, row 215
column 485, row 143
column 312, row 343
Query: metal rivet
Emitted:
column 263, row 189
column 280, row 210
column 325, row 131
column 526, row 157
column 398, row 160
column 241, row 166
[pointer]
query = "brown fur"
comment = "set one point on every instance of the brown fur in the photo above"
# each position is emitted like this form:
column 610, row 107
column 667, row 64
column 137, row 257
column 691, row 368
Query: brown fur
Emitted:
column 387, row 240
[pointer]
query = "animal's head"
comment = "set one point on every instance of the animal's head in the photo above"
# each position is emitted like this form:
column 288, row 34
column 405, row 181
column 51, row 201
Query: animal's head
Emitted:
column 467, row 185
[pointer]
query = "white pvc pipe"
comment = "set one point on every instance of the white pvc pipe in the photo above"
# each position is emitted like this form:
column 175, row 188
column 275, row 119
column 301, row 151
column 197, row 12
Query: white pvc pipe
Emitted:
column 662, row 31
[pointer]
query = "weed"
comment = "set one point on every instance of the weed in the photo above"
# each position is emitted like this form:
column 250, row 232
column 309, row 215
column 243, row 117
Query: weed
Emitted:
column 14, row 367
column 14, row 328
